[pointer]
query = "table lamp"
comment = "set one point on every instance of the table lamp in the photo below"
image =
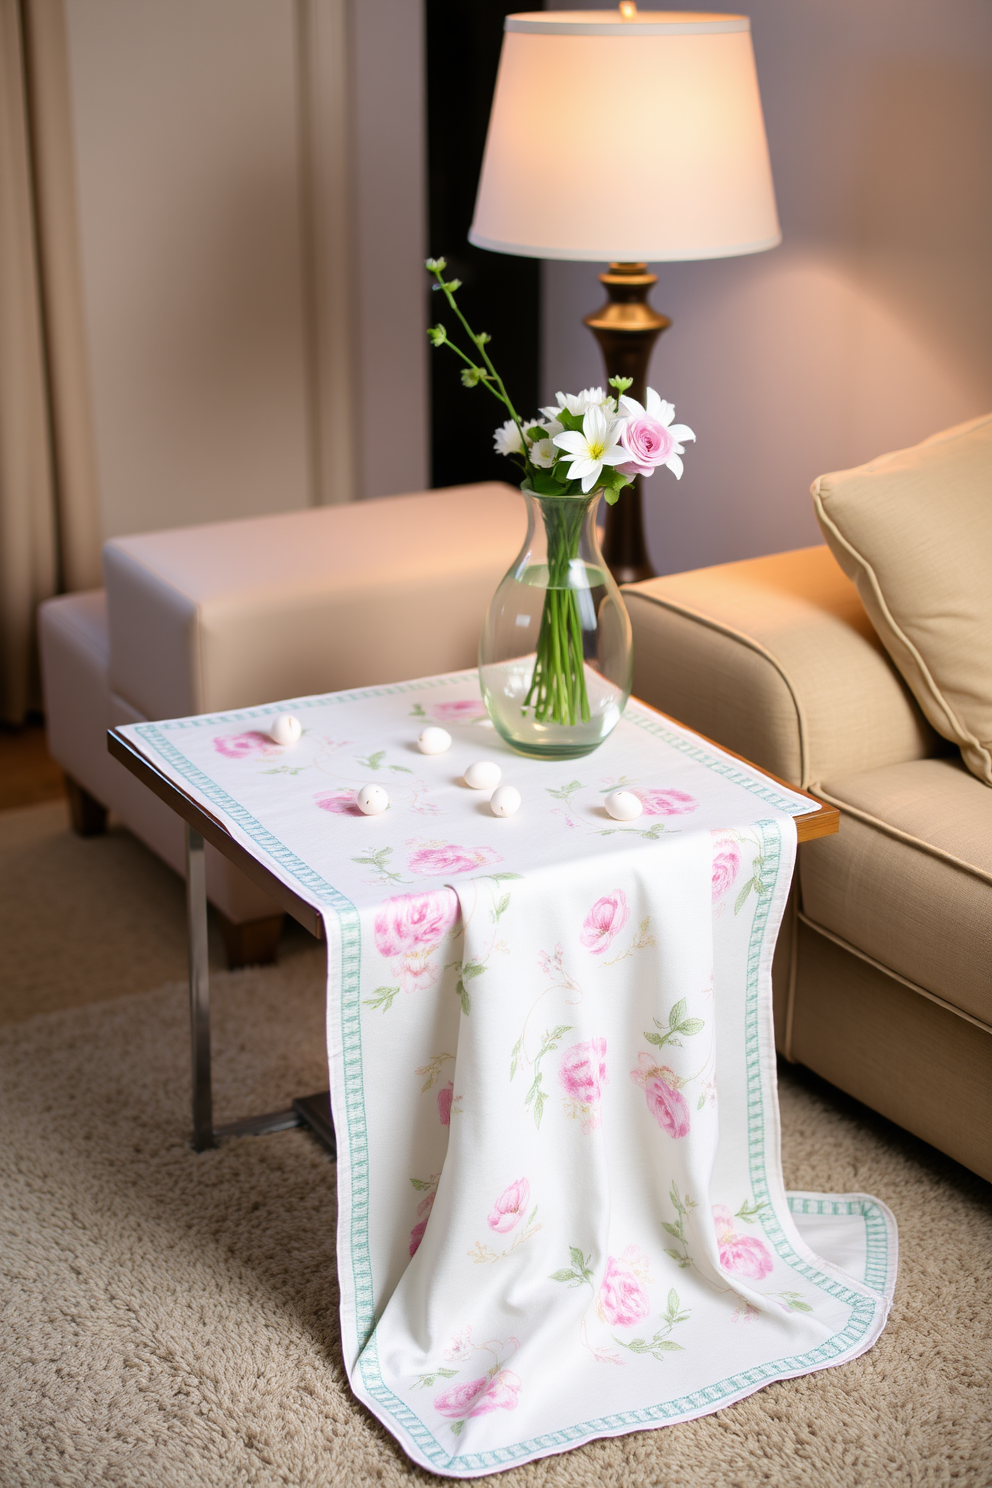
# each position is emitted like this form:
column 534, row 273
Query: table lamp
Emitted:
column 635, row 138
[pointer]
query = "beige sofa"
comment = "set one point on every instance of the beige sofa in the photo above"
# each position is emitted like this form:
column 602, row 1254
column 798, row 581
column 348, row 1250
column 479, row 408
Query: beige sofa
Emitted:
column 232, row 614
column 884, row 969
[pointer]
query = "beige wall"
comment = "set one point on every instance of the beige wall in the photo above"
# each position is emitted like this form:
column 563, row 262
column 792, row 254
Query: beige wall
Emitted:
column 871, row 326
column 238, row 219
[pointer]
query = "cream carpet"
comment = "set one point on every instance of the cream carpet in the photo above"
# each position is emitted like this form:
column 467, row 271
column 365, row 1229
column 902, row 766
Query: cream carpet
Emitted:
column 170, row 1319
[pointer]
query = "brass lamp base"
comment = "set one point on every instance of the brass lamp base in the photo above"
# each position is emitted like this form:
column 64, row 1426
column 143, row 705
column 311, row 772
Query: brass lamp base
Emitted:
column 626, row 328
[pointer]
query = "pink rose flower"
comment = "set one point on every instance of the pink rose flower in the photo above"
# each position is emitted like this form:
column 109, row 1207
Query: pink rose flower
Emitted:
column 413, row 922
column 243, row 746
column 668, row 1107
column 480, row 1396
column 665, row 802
column 341, row 802
column 621, row 1300
column 726, row 864
column 740, row 1253
column 665, row 1100
column 510, row 1207
column 465, row 710
column 605, row 921
column 435, row 859
column 444, row 1103
column 648, row 443
column 582, row 1072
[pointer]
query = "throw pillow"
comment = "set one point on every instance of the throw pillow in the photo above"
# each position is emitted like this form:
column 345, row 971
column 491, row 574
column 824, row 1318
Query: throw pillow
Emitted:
column 913, row 530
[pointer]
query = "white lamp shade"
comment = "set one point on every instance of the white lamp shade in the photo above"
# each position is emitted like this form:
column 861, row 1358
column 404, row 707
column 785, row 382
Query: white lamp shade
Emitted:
column 638, row 140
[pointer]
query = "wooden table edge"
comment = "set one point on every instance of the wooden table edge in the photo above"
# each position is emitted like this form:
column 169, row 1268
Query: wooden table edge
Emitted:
column 822, row 820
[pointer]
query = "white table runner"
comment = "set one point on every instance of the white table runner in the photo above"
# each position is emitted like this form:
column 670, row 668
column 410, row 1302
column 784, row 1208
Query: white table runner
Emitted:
column 552, row 1070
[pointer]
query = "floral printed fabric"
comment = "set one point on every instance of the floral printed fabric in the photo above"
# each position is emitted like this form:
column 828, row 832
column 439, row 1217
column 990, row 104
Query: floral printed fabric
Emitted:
column 561, row 1211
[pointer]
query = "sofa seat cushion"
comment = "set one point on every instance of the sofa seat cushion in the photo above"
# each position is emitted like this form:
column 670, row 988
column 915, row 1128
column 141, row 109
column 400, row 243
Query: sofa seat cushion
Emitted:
column 908, row 880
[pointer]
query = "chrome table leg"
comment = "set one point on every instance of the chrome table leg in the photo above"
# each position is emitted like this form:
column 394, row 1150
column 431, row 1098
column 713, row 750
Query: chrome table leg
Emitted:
column 311, row 1111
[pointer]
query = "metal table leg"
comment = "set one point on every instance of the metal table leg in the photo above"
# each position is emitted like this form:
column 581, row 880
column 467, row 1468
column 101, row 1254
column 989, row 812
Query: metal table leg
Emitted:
column 313, row 1111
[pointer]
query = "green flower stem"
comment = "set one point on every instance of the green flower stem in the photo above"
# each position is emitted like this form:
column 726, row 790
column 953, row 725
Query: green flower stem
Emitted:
column 480, row 346
column 558, row 691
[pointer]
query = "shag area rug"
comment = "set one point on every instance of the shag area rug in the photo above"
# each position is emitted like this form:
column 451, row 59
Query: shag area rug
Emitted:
column 170, row 1320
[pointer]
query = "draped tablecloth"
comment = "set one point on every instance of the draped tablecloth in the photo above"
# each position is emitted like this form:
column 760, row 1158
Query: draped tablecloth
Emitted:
column 561, row 1212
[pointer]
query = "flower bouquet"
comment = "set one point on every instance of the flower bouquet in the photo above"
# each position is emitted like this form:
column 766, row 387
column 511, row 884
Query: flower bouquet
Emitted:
column 591, row 444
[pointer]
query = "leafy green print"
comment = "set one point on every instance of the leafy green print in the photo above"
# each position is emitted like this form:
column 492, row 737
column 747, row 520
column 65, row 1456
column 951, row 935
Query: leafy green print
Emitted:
column 683, row 1208
column 432, row 1071
column 417, row 711
column 285, row 769
column 755, row 882
column 660, row 1344
column 580, row 1272
column 378, row 859
column 382, row 997
column 565, row 792
column 537, row 1095
column 651, row 833
column 678, row 1024
column 375, row 762
column 749, row 1212
column 469, row 971
column 426, row 1381
column 792, row 1301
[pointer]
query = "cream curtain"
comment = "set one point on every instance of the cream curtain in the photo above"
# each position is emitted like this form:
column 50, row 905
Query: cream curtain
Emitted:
column 49, row 509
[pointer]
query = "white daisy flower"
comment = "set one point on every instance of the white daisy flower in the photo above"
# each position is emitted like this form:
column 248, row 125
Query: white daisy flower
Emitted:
column 578, row 403
column 596, row 446
column 507, row 439
column 543, row 453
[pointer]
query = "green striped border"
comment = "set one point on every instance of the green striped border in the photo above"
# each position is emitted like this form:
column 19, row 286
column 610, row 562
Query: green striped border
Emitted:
column 876, row 1232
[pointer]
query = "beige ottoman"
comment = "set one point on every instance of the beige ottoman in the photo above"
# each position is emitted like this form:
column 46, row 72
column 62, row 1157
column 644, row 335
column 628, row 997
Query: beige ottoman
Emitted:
column 239, row 613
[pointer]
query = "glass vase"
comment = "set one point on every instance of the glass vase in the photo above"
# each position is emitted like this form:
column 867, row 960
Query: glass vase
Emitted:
column 555, row 659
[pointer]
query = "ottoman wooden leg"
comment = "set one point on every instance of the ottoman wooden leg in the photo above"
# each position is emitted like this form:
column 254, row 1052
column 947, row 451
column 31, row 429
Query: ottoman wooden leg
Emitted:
column 253, row 943
column 89, row 818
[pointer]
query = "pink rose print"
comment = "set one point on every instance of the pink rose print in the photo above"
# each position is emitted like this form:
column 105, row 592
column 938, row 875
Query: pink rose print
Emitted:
column 726, row 863
column 444, row 1103
column 665, row 802
column 464, row 710
column 479, row 1397
column 622, row 1300
column 509, row 1207
column 435, row 859
column 582, row 1075
column 740, row 1253
column 243, row 746
column 424, row 1213
column 408, row 929
column 341, row 802
column 604, row 922
column 409, row 922
column 665, row 1100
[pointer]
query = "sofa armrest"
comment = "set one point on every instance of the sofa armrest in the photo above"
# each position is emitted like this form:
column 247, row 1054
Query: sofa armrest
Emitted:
column 776, row 658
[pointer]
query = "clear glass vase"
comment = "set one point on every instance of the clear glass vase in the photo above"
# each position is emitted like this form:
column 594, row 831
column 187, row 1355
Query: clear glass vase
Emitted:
column 555, row 659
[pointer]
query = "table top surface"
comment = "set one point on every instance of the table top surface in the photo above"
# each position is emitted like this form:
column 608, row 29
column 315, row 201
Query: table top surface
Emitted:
column 821, row 821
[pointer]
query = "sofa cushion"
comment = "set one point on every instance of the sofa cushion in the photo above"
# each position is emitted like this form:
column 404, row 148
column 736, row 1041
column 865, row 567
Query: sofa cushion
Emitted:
column 914, row 531
column 908, row 879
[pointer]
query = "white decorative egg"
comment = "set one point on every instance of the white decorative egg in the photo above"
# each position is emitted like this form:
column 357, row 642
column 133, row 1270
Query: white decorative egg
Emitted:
column 505, row 800
column 371, row 800
column 434, row 741
column 285, row 729
column 483, row 775
column 623, row 805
